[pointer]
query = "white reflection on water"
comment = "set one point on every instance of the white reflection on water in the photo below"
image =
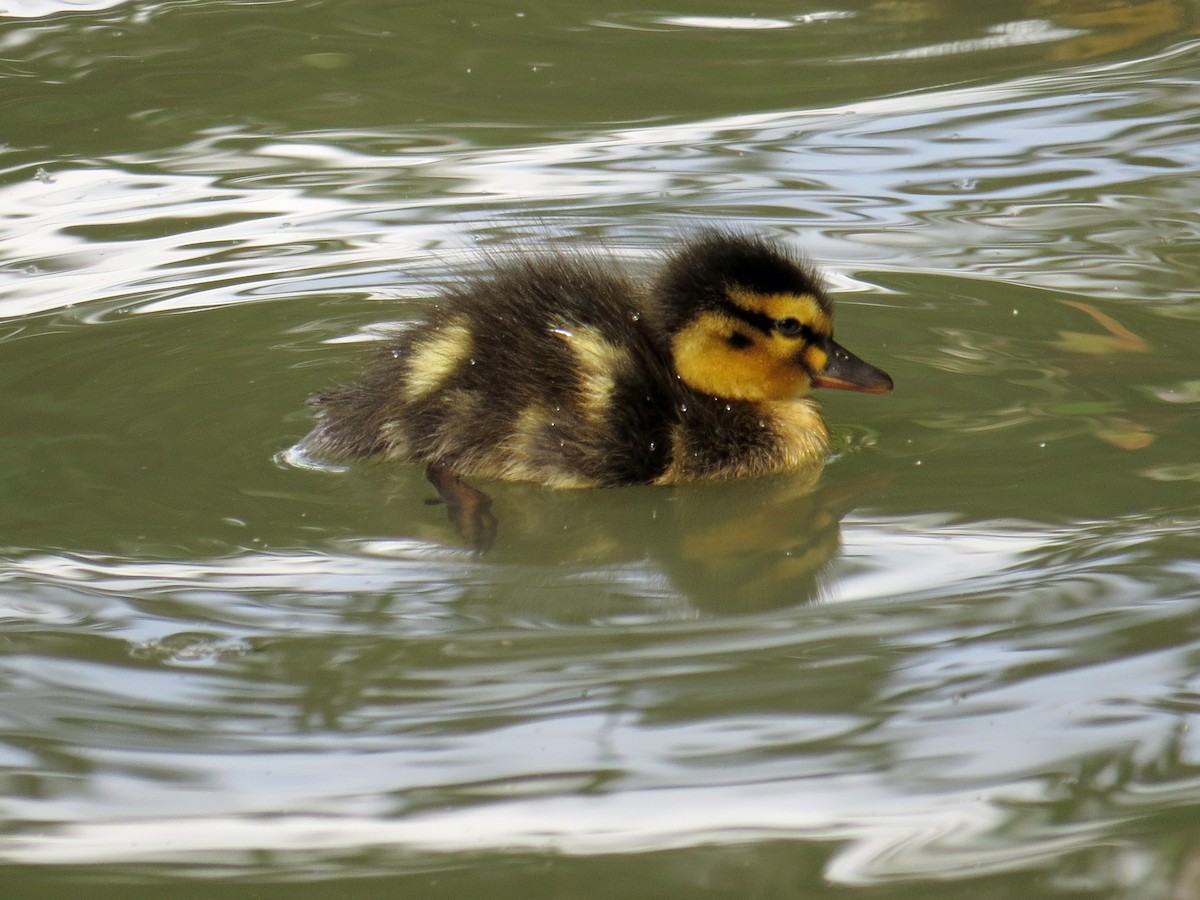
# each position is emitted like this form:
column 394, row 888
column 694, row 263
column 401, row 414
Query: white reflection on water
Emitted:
column 727, row 23
column 1040, row 637
column 1004, row 34
column 987, row 173
column 885, row 832
column 881, row 560
column 37, row 9
column 929, row 554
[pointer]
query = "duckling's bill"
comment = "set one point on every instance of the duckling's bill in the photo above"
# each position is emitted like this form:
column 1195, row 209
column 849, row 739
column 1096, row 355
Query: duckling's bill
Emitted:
column 844, row 371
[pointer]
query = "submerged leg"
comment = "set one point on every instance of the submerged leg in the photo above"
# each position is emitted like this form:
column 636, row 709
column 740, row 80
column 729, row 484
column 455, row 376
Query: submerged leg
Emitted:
column 470, row 510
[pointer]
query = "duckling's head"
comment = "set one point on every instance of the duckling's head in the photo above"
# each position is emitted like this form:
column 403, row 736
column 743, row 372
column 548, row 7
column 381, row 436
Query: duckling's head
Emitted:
column 747, row 320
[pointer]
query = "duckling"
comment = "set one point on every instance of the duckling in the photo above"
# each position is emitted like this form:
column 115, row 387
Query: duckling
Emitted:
column 558, row 370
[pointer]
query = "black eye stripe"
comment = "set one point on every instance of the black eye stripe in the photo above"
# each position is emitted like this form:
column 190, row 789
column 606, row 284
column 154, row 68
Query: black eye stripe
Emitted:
column 766, row 324
column 762, row 322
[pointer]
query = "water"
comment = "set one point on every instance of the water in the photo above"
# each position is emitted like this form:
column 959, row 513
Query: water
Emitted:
column 966, row 662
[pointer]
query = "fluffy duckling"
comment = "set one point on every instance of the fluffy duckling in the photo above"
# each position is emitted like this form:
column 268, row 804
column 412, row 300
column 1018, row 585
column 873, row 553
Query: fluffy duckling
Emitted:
column 558, row 370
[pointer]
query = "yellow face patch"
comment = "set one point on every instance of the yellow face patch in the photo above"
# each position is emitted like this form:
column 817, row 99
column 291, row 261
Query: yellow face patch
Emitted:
column 763, row 370
column 719, row 354
column 816, row 358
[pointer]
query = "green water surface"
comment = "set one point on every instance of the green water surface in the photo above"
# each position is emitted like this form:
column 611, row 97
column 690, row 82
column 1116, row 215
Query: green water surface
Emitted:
column 967, row 662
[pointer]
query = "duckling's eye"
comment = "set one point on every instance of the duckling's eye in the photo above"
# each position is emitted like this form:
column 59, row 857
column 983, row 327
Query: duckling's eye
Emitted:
column 790, row 327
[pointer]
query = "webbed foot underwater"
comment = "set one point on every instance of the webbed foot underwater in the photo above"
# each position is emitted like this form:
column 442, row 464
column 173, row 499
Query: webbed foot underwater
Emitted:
column 565, row 371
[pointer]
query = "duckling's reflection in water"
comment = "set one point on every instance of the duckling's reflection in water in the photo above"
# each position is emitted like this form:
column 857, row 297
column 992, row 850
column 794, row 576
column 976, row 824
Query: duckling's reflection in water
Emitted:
column 728, row 547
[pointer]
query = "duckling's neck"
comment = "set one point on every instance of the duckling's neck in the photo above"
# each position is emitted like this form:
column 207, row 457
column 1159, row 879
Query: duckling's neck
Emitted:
column 803, row 434
column 716, row 439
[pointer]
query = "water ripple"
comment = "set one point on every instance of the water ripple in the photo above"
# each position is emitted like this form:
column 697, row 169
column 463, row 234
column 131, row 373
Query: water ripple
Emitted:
column 956, row 632
column 989, row 175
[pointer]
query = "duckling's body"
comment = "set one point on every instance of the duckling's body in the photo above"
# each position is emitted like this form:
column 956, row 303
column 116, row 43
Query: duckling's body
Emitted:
column 557, row 370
